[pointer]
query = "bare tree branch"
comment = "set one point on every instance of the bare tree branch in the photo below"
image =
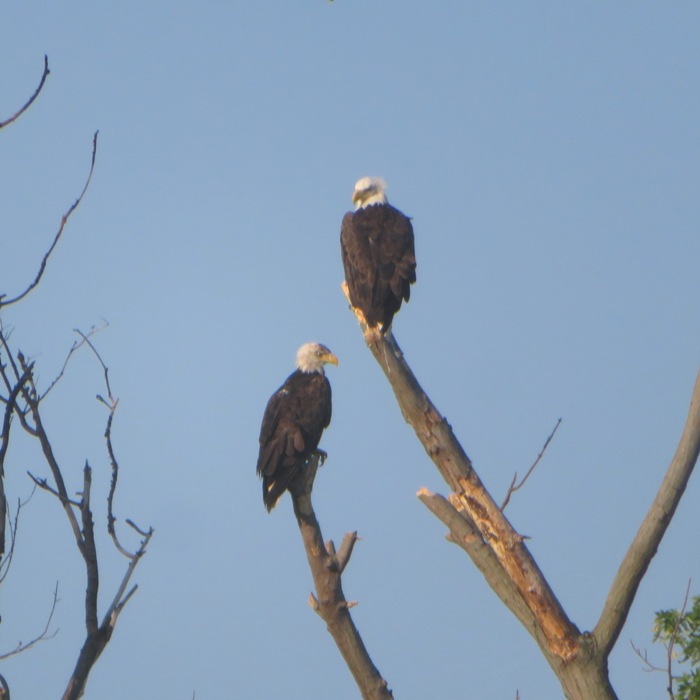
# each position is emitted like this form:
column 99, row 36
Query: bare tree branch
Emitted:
column 28, row 103
column 644, row 656
column 473, row 500
column 7, row 560
column 77, row 344
column 105, row 369
column 479, row 526
column 31, row 397
column 41, row 637
column 120, row 600
column 23, row 400
column 464, row 533
column 330, row 602
column 98, row 637
column 98, row 633
column 59, row 233
column 4, row 444
column 513, row 486
column 44, row 485
column 111, row 403
column 651, row 531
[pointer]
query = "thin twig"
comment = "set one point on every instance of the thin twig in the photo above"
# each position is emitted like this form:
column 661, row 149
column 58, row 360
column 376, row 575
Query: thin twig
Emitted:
column 4, row 444
column 42, row 637
column 44, row 485
column 7, row 559
column 133, row 525
column 77, row 344
column 644, row 656
column 9, row 408
column 10, row 358
column 513, row 486
column 28, row 103
column 105, row 369
column 112, row 407
column 59, row 233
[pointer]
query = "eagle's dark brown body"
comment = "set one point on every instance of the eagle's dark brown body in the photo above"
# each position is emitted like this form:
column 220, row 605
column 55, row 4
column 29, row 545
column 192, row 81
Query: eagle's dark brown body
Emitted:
column 379, row 258
column 295, row 418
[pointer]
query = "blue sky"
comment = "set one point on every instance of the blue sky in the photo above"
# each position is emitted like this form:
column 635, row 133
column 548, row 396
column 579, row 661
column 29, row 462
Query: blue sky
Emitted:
column 549, row 155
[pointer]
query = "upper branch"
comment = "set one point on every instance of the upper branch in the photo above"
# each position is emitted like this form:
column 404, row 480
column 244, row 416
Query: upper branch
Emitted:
column 28, row 103
column 651, row 531
column 59, row 233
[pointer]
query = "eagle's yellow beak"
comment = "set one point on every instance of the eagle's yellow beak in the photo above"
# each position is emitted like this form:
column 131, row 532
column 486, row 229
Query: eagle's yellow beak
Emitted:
column 330, row 358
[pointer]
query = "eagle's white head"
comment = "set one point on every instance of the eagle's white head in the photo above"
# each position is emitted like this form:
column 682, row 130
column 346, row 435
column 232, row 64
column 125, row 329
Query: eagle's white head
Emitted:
column 312, row 356
column 369, row 190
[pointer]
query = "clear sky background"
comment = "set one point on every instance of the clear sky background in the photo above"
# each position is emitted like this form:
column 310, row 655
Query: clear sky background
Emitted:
column 549, row 154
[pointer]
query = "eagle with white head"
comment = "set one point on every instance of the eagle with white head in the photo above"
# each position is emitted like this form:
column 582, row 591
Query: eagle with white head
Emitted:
column 378, row 252
column 295, row 418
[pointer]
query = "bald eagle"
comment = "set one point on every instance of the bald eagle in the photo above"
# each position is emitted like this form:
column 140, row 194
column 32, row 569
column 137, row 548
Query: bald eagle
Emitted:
column 295, row 417
column 378, row 253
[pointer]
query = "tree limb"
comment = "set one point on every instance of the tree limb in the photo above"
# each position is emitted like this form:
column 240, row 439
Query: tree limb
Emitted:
column 59, row 233
column 515, row 486
column 30, row 396
column 28, row 103
column 330, row 602
column 463, row 533
column 651, row 531
column 77, row 344
column 41, row 637
column 4, row 444
column 474, row 501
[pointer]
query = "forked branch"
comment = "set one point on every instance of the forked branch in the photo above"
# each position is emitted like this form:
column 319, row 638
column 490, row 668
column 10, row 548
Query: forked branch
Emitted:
column 557, row 635
column 329, row 601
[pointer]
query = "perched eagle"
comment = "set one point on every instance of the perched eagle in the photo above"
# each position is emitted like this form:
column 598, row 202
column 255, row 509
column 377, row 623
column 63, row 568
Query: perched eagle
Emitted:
column 295, row 417
column 378, row 252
